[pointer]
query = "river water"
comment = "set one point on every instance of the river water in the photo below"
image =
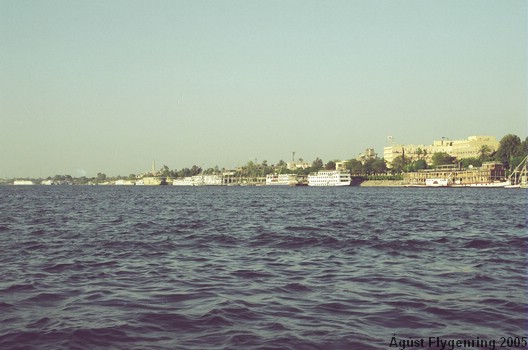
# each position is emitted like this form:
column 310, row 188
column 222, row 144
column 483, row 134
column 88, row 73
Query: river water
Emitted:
column 262, row 268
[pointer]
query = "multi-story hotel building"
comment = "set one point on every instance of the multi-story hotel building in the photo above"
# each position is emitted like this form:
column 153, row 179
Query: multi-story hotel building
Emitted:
column 469, row 148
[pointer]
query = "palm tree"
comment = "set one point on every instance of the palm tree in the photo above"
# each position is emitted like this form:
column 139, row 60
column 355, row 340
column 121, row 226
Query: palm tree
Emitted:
column 484, row 152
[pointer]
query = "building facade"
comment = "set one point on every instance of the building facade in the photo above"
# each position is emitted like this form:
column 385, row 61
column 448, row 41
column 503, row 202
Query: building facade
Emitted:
column 468, row 148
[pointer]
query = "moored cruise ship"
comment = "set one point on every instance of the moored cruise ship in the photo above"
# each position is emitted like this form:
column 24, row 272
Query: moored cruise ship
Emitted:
column 329, row 178
column 281, row 179
column 489, row 175
column 199, row 180
column 23, row 182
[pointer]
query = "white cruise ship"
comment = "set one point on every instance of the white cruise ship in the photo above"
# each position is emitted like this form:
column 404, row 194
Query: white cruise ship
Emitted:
column 329, row 178
column 23, row 182
column 199, row 180
column 281, row 179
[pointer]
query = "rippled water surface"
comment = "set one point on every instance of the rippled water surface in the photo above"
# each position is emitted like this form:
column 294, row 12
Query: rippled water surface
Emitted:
column 259, row 267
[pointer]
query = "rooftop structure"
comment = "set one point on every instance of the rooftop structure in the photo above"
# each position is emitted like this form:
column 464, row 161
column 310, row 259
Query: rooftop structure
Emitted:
column 369, row 154
column 342, row 165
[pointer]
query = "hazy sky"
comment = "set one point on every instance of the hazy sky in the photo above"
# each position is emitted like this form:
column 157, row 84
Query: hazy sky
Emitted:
column 108, row 86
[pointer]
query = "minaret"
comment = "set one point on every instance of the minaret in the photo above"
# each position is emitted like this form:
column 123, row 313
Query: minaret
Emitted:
column 153, row 167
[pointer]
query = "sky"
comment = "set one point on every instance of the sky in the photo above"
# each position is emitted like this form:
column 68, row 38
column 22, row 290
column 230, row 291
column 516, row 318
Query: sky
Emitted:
column 109, row 85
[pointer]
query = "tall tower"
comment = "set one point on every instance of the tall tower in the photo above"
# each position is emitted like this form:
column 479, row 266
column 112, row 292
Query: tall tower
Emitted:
column 153, row 167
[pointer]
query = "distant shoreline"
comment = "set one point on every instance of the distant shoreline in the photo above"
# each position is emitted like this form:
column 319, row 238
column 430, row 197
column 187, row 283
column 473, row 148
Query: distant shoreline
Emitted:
column 355, row 183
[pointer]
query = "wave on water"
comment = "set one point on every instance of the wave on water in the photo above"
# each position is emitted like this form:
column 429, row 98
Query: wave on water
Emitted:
column 257, row 268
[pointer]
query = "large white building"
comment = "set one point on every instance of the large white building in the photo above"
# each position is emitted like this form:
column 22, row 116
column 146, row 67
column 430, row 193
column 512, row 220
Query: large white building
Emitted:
column 469, row 148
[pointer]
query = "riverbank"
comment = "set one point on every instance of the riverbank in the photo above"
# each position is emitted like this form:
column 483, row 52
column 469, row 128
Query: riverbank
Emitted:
column 379, row 183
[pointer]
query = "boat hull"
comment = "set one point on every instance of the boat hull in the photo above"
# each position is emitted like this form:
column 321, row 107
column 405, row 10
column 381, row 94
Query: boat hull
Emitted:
column 436, row 183
column 498, row 184
column 330, row 184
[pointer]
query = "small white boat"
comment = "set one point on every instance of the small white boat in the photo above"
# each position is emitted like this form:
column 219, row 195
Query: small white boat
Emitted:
column 519, row 176
column 124, row 182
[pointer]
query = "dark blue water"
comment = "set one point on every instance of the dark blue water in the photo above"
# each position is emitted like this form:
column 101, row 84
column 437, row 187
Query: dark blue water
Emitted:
column 259, row 267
